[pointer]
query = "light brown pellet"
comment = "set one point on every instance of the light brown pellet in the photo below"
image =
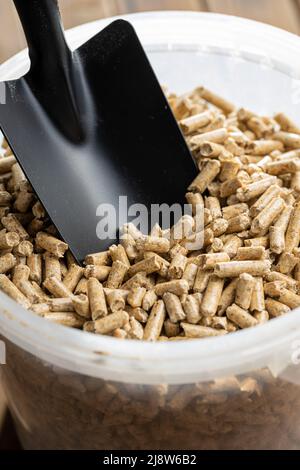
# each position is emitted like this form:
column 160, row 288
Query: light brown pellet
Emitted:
column 212, row 296
column 35, row 264
column 216, row 100
column 227, row 297
column 71, row 320
column 230, row 169
column 149, row 300
column 289, row 298
column 193, row 123
column 275, row 308
column 274, row 288
column 12, row 291
column 11, row 223
column 149, row 266
column 219, row 227
column 258, row 296
column 57, row 288
column 81, row 287
column 257, row 125
column 263, row 147
column 116, row 299
column 40, row 292
column 289, row 282
column 278, row 231
column 171, row 329
column 230, row 187
column 261, row 317
column 24, row 248
column 8, row 240
column 177, row 267
column 135, row 296
column 23, row 202
column 51, row 244
column 214, row 206
column 240, row 317
column 138, row 313
column 97, row 271
column 118, row 253
column 20, row 273
column 217, row 246
column 18, row 176
column 5, row 199
column 264, row 220
column 259, row 241
column 7, row 262
column 197, row 331
column 81, row 305
column 154, row 244
column 209, row 261
column 238, row 224
column 289, row 140
column 97, row 299
column 201, row 280
column 40, row 309
column 235, row 268
column 210, row 150
column 230, row 212
column 282, row 167
column 51, row 266
column 232, row 245
column 286, row 123
column 206, row 176
column 138, row 280
column 98, row 259
column 255, row 189
column 173, row 307
column 129, row 244
column 177, row 287
column 6, row 164
column 136, row 330
column 217, row 136
column 155, row 322
column 268, row 196
column 244, row 291
column 250, row 253
column 292, row 238
column 196, row 201
column 191, row 308
column 190, row 273
column 61, row 304
column 73, row 276
column 287, row 262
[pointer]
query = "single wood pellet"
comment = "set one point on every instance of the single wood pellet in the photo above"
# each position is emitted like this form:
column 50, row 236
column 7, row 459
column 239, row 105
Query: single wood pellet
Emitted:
column 156, row 286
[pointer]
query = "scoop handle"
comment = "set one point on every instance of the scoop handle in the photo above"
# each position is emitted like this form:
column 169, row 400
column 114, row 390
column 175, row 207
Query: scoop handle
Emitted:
column 43, row 29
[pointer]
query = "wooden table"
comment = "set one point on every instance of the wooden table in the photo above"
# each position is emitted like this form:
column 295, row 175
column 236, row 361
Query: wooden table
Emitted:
column 282, row 13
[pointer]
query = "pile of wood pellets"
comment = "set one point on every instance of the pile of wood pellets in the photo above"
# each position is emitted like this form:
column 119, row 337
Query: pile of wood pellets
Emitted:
column 153, row 287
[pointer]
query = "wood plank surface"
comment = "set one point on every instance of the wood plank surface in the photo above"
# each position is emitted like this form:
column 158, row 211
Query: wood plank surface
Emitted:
column 282, row 13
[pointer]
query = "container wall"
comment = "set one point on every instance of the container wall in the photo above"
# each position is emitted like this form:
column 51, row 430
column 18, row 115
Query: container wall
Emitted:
column 56, row 409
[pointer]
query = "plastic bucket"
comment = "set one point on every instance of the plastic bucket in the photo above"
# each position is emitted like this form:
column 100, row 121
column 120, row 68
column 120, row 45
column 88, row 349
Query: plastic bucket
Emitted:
column 73, row 390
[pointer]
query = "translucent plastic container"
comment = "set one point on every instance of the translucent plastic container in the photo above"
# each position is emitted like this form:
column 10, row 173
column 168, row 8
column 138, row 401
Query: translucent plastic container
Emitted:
column 73, row 390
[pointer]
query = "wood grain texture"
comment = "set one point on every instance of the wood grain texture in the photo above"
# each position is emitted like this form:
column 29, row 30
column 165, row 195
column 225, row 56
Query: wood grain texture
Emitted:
column 282, row 13
column 148, row 5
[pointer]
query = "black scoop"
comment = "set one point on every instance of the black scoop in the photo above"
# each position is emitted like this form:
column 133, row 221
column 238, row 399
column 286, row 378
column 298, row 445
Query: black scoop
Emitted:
column 92, row 125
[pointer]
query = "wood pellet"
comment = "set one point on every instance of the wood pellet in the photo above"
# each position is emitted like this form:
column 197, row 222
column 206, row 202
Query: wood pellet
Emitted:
column 156, row 286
